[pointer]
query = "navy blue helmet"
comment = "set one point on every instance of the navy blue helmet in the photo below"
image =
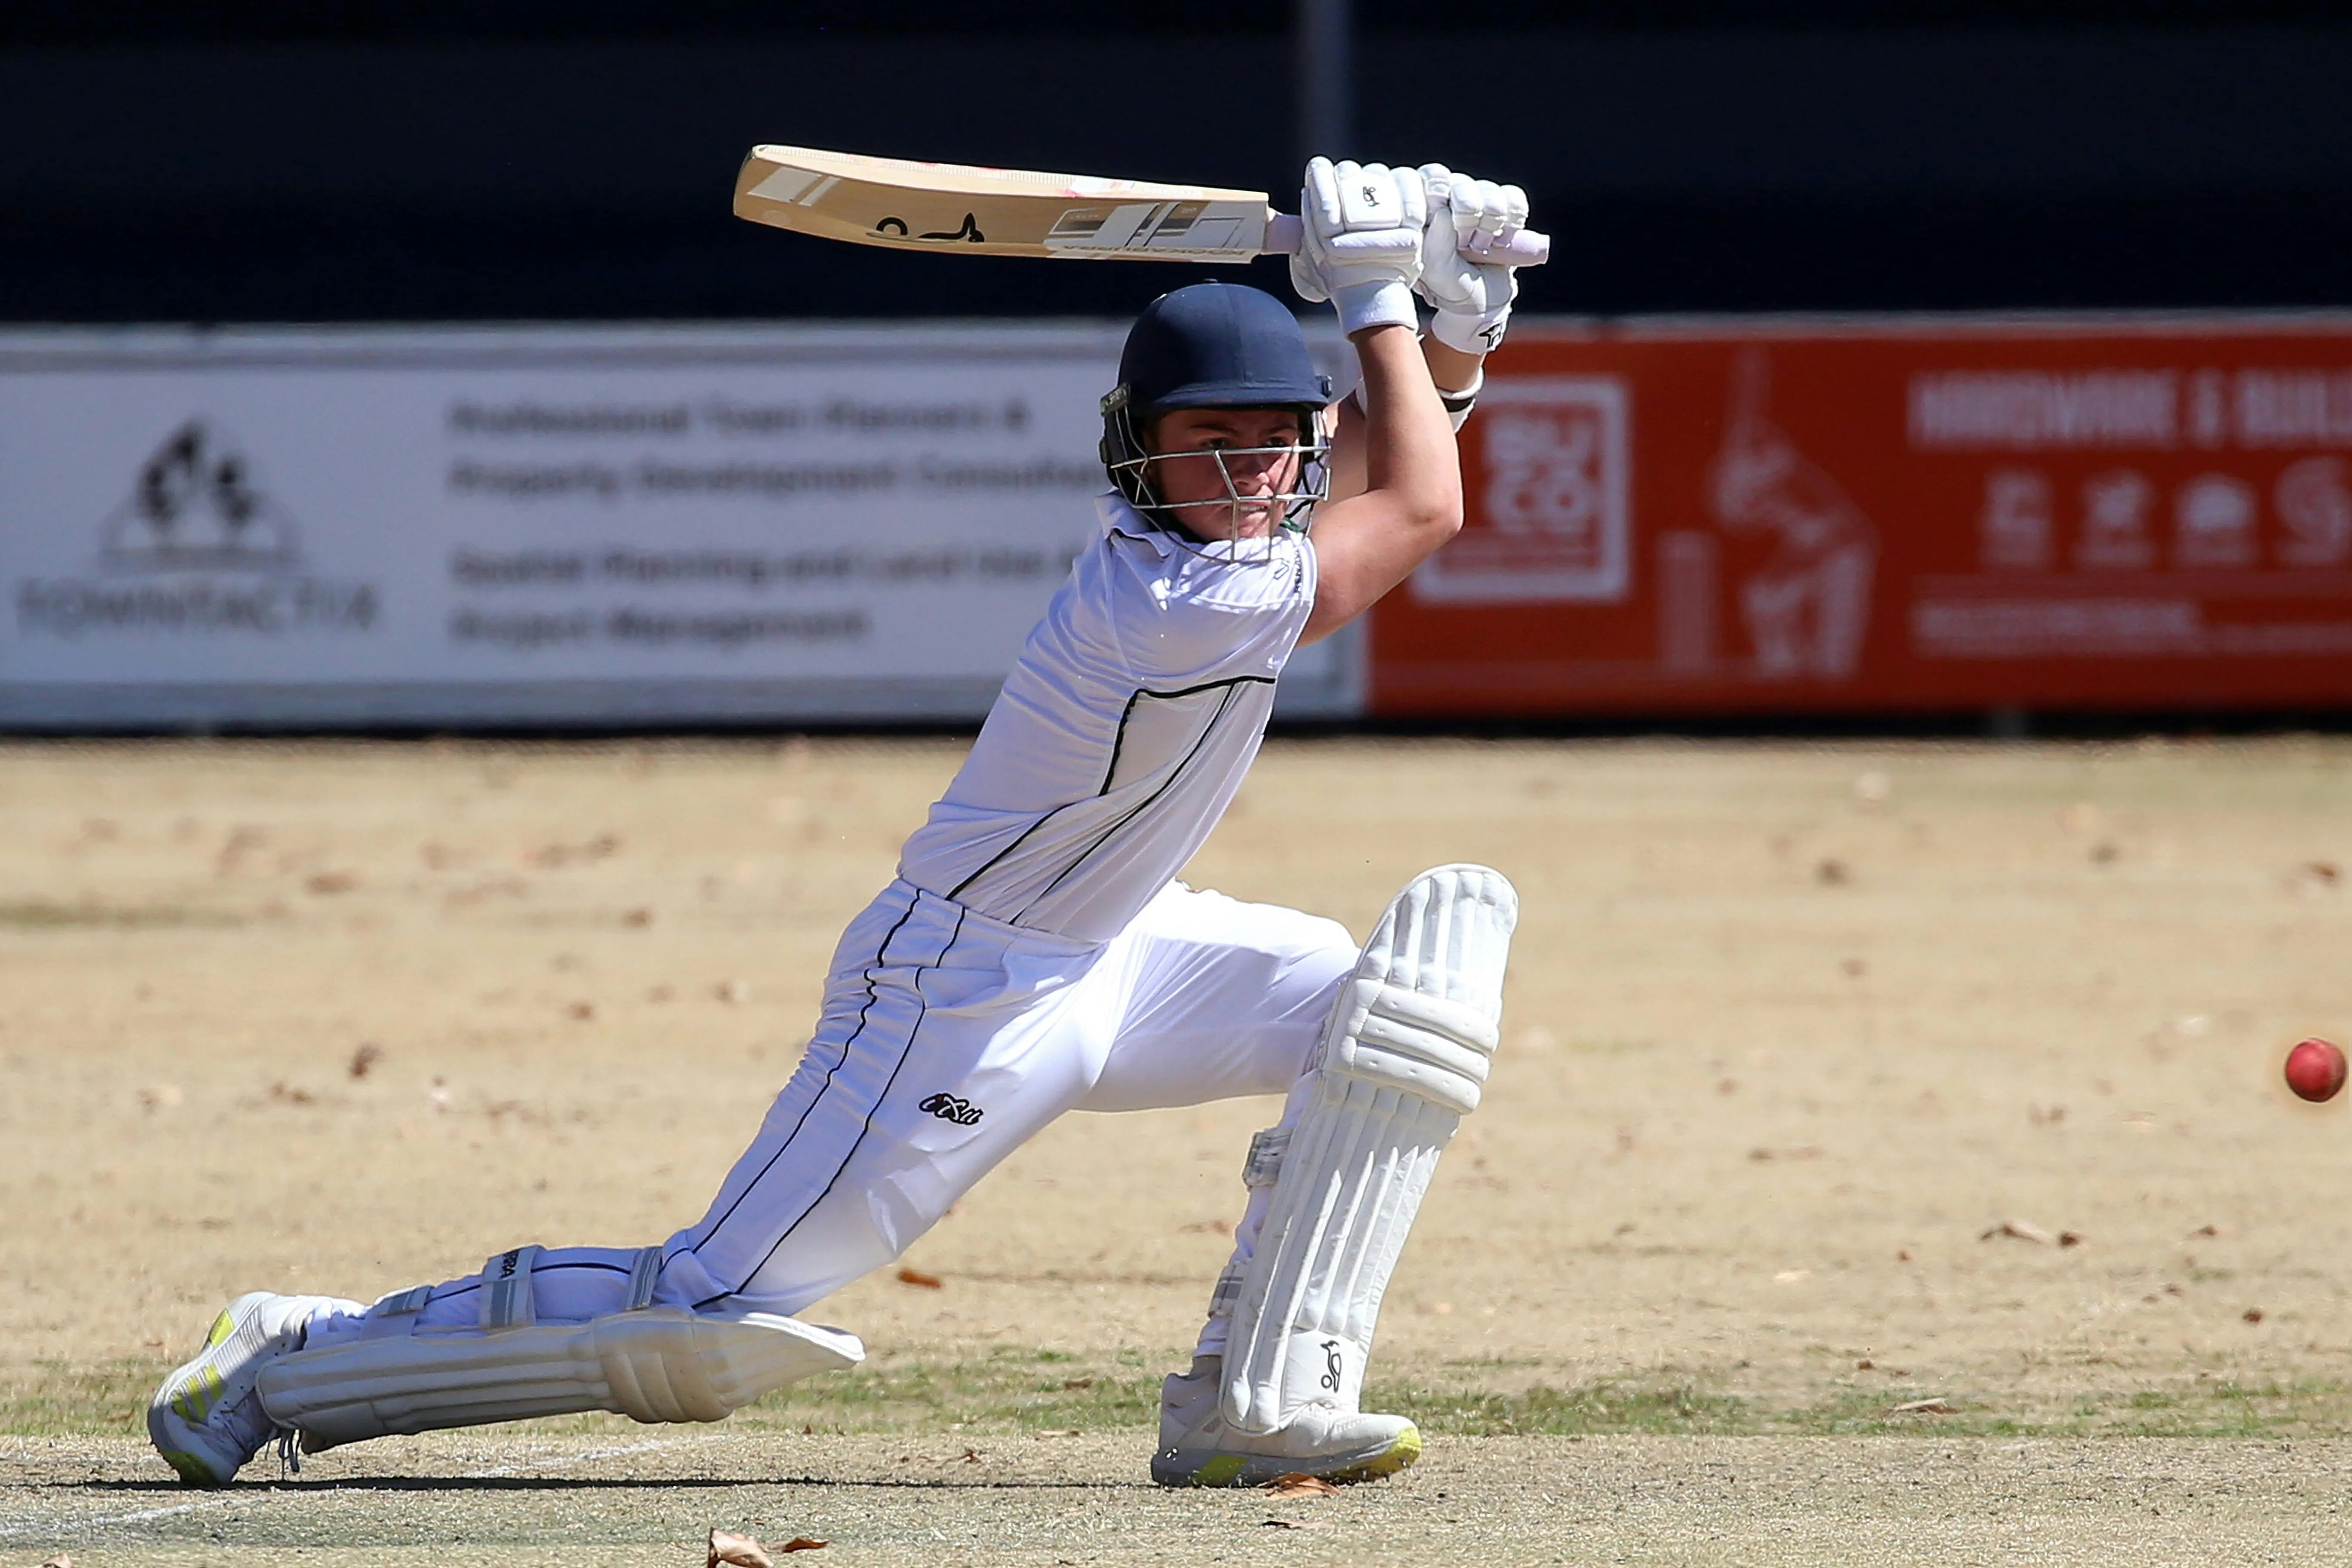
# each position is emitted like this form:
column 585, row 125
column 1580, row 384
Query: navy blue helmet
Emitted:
column 1213, row 345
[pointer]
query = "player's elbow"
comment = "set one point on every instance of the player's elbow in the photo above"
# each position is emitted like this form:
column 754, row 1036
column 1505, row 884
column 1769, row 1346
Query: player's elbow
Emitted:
column 1438, row 518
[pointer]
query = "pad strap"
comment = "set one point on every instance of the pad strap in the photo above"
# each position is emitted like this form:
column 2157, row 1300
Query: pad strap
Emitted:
column 645, row 1272
column 506, row 1288
column 1263, row 1165
column 395, row 1313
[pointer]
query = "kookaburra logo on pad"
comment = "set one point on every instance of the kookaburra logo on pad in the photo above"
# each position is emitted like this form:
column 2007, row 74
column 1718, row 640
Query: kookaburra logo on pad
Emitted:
column 951, row 1108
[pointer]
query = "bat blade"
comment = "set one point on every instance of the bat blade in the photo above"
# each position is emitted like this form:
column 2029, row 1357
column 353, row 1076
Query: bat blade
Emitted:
column 972, row 211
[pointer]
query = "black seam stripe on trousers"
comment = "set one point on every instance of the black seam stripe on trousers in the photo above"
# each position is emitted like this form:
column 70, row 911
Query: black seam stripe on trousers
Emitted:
column 922, row 1011
column 881, row 957
column 906, row 1049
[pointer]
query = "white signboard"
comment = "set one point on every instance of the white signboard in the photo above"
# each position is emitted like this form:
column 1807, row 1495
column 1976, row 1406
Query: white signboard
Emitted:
column 544, row 525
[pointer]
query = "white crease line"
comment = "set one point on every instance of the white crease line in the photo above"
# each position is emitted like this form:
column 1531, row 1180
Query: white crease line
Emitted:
column 105, row 1521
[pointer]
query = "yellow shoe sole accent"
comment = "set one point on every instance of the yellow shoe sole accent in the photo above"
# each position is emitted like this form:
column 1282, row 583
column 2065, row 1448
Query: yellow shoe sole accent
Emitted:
column 1401, row 1453
column 223, row 1326
column 1219, row 1471
column 192, row 1471
column 193, row 1403
column 1226, row 1469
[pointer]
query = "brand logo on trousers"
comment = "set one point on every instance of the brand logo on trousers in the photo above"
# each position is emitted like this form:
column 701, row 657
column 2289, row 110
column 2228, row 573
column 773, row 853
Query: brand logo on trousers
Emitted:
column 951, row 1108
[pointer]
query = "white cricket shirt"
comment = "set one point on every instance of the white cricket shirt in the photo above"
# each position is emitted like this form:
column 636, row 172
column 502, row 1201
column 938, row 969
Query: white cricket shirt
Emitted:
column 1120, row 738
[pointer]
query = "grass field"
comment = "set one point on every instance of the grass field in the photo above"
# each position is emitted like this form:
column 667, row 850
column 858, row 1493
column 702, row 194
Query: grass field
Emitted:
column 1793, row 1033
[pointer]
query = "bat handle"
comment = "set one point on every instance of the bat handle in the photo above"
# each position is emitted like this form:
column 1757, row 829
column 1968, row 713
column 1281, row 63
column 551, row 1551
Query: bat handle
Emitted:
column 1526, row 248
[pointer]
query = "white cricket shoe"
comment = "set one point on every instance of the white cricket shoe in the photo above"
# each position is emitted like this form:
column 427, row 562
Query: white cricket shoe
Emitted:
column 1198, row 1449
column 206, row 1419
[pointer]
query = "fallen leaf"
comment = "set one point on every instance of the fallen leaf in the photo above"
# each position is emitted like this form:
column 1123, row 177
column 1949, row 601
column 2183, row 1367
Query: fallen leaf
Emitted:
column 916, row 1277
column 2325, row 872
column 1864, row 1364
column 2024, row 1230
column 583, row 1011
column 1295, row 1523
column 363, row 1060
column 639, row 917
column 2252, row 1315
column 2070, row 1238
column 1298, row 1483
column 741, row 1550
column 2204, row 1230
column 1833, row 874
column 804, row 1544
column 1937, row 1405
column 331, row 882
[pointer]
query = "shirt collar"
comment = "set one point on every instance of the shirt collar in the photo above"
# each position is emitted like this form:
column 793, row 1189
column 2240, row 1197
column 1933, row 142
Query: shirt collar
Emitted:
column 1116, row 516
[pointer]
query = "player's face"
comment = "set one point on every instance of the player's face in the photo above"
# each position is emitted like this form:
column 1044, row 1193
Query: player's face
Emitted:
column 1207, row 467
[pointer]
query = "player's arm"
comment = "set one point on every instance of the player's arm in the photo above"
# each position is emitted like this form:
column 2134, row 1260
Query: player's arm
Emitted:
column 1458, row 377
column 1410, row 501
column 1471, row 304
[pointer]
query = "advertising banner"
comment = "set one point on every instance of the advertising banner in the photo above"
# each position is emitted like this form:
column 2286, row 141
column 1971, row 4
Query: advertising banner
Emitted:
column 544, row 525
column 1904, row 516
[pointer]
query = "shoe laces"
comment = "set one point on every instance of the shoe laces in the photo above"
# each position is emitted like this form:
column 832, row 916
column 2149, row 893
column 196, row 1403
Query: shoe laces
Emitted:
column 289, row 1451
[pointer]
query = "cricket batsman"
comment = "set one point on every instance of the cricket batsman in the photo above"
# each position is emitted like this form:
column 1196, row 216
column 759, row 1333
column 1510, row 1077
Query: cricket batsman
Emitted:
column 1035, row 955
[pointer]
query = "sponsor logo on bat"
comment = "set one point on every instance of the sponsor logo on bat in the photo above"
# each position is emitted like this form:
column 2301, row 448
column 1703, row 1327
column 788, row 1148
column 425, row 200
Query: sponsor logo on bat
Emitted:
column 970, row 231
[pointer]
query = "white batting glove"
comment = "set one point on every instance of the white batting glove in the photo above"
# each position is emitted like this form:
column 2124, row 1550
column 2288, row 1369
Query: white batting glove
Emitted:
column 1471, row 299
column 1362, row 245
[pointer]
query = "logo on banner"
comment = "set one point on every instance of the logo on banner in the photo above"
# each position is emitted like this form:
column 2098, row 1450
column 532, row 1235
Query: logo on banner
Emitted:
column 1805, row 605
column 195, row 505
column 198, row 546
column 1548, row 519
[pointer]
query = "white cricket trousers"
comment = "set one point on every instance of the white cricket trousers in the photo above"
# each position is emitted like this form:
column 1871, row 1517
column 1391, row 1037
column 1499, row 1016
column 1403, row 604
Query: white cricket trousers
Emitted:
column 947, row 1039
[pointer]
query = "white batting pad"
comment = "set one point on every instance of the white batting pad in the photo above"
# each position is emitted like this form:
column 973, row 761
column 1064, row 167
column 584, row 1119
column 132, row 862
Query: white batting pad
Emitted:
column 661, row 1364
column 1404, row 1057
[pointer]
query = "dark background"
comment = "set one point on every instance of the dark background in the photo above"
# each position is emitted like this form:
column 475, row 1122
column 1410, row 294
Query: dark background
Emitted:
column 542, row 159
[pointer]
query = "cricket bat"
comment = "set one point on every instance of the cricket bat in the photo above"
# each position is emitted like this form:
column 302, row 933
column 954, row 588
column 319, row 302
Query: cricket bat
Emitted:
column 972, row 211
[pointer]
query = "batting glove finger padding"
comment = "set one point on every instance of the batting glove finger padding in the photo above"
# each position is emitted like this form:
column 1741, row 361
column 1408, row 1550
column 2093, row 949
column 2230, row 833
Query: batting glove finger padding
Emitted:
column 1361, row 241
column 1469, row 219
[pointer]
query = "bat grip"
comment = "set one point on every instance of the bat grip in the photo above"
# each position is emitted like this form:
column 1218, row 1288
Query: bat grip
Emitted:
column 1526, row 248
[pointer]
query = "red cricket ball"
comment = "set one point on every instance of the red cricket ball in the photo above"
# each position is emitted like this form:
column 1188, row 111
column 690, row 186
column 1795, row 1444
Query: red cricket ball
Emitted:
column 2315, row 1069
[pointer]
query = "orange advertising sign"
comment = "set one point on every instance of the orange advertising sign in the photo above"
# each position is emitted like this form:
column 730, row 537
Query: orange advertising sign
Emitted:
column 1895, row 516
